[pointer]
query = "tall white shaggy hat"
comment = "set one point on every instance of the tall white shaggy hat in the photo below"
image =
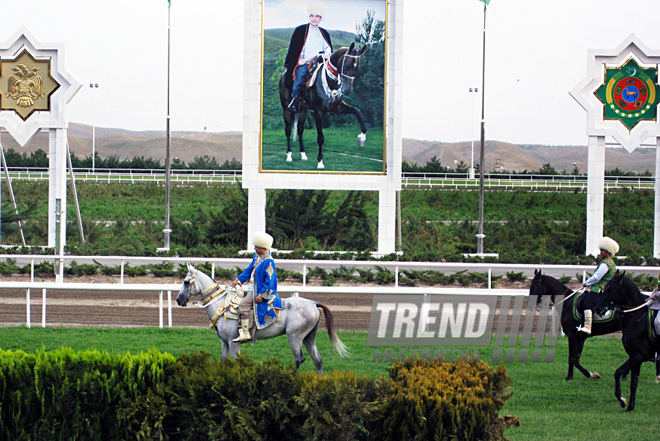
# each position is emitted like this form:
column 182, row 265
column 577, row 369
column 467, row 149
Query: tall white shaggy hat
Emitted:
column 262, row 239
column 609, row 245
column 316, row 9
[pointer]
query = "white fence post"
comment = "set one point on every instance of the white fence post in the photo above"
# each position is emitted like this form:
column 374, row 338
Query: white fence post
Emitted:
column 160, row 309
column 43, row 309
column 27, row 307
column 169, row 308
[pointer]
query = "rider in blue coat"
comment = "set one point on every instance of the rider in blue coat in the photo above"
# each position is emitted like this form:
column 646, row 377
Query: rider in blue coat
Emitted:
column 262, row 290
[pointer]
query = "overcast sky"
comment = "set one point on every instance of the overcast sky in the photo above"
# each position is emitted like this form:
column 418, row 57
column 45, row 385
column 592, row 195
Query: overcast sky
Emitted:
column 535, row 54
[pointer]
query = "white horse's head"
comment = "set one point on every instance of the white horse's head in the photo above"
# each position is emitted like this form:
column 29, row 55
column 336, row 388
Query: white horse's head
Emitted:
column 195, row 283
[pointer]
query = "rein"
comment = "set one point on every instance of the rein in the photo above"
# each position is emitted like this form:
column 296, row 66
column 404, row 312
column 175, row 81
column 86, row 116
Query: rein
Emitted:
column 635, row 308
column 332, row 72
column 568, row 297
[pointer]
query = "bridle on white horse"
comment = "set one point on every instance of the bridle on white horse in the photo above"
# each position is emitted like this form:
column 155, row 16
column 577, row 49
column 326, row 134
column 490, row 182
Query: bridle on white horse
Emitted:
column 208, row 296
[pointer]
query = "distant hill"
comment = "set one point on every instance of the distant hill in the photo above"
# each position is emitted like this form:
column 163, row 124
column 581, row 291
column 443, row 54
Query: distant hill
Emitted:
column 226, row 146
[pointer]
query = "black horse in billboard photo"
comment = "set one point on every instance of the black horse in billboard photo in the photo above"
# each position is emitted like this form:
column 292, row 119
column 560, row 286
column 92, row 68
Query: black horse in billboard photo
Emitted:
column 324, row 93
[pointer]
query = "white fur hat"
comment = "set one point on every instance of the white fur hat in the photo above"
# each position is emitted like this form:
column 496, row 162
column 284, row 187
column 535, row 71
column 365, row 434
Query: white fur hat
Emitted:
column 609, row 245
column 262, row 239
column 316, row 9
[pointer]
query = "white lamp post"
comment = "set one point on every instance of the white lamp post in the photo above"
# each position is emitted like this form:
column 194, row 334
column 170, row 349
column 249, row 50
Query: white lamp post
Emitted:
column 93, row 86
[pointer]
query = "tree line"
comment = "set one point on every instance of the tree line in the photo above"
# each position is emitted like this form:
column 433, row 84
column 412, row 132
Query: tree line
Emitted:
column 39, row 159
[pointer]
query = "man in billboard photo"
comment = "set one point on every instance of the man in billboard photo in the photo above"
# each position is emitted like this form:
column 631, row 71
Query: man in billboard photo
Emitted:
column 308, row 42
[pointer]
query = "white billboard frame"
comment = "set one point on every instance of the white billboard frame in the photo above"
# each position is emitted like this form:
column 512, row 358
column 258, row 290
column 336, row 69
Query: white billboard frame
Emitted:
column 257, row 182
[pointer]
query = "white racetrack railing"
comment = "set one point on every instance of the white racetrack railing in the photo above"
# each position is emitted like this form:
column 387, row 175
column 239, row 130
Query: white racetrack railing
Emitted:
column 165, row 291
column 302, row 266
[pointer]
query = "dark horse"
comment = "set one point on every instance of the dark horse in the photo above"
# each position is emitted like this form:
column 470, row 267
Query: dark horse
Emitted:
column 333, row 80
column 543, row 285
column 638, row 341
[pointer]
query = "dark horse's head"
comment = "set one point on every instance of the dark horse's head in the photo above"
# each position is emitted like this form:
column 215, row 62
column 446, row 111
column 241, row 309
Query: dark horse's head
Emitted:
column 347, row 62
column 621, row 291
column 537, row 289
column 543, row 285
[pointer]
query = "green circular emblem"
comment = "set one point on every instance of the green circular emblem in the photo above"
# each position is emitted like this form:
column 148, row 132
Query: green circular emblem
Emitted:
column 629, row 94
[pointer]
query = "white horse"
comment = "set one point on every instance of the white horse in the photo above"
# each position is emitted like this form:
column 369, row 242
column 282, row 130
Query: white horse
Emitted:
column 299, row 320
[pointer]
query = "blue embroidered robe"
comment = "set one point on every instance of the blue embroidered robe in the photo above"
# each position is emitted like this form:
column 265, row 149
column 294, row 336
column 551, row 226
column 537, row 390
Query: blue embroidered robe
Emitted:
column 265, row 285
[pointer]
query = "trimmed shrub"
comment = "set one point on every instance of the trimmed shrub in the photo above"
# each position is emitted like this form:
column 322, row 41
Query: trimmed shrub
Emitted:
column 433, row 400
column 64, row 395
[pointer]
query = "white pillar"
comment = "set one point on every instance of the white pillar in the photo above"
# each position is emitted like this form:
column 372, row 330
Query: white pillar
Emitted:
column 256, row 213
column 57, row 186
column 656, row 224
column 595, row 193
column 386, row 222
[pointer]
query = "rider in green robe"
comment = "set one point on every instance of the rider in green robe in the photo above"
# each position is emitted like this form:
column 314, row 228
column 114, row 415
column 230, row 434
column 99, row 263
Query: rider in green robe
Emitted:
column 596, row 283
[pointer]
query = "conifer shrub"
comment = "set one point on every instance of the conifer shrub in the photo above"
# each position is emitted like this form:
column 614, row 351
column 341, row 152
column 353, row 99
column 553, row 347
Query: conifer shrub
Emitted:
column 64, row 395
column 67, row 395
column 434, row 400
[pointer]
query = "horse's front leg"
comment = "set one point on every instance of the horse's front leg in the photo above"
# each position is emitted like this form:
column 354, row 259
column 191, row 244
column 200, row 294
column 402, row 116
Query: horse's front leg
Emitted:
column 634, row 381
column 302, row 117
column 287, row 132
column 225, row 350
column 571, row 357
column 234, row 348
column 344, row 108
column 621, row 371
column 579, row 345
column 320, row 139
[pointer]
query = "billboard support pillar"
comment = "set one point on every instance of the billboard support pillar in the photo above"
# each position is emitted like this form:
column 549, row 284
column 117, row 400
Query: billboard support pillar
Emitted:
column 595, row 193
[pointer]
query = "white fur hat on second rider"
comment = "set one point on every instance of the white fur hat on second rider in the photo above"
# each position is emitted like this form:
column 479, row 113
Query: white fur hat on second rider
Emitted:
column 262, row 239
column 608, row 244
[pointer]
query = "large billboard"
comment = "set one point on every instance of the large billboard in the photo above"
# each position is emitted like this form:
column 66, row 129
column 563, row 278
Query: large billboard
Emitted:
column 337, row 122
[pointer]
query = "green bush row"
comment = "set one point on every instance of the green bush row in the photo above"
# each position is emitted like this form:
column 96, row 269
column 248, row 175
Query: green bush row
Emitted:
column 63, row 395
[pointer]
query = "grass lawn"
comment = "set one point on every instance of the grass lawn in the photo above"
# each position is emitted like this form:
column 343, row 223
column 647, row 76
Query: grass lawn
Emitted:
column 548, row 407
column 341, row 152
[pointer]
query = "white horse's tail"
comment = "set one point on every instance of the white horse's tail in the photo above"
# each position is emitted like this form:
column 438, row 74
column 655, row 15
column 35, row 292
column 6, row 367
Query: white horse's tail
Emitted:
column 295, row 127
column 336, row 342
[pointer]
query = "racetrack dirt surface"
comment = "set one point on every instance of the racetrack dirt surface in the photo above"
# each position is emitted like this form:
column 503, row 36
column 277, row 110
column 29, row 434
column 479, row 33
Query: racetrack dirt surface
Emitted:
column 129, row 309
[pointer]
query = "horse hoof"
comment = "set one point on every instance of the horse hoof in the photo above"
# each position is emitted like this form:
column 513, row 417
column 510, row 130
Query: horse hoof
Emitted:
column 657, row 379
column 320, row 166
column 288, row 157
column 595, row 375
column 361, row 139
column 623, row 402
column 303, row 156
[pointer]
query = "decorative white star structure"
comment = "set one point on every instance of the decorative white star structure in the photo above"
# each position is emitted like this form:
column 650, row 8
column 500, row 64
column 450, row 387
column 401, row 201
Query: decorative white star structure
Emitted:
column 53, row 118
column 585, row 93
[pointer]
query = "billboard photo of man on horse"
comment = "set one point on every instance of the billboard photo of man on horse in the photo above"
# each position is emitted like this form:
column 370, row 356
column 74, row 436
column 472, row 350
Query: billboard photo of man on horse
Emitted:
column 323, row 94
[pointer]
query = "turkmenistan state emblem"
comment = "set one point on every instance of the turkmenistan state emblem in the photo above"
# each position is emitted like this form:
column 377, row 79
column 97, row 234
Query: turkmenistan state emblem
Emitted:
column 629, row 93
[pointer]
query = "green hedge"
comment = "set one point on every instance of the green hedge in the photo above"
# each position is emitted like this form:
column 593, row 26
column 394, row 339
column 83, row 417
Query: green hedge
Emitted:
column 63, row 395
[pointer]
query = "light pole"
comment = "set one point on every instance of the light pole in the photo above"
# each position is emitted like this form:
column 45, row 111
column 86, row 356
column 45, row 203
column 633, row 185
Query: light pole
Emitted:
column 480, row 234
column 93, row 86
column 167, row 229
column 473, row 92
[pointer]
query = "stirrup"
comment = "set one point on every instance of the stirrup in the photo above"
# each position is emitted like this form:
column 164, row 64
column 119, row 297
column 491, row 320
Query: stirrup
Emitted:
column 243, row 336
